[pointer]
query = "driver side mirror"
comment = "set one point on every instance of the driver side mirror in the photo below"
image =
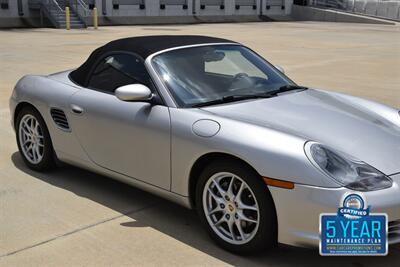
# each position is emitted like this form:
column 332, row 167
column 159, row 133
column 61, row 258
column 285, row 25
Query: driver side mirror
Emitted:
column 134, row 92
column 280, row 69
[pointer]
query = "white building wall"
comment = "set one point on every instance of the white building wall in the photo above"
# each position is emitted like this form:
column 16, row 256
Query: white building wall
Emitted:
column 132, row 14
column 11, row 17
column 153, row 9
column 12, row 11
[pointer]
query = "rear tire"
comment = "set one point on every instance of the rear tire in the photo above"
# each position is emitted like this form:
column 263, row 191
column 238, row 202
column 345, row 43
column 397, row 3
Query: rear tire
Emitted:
column 33, row 139
column 243, row 217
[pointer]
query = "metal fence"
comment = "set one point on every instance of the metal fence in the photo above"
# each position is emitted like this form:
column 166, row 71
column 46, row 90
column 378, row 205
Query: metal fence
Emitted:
column 386, row 9
column 341, row 4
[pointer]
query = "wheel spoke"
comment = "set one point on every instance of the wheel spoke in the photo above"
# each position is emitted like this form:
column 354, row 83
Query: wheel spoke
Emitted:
column 230, row 188
column 25, row 126
column 27, row 136
column 230, row 227
column 239, row 193
column 34, row 153
column 217, row 199
column 243, row 217
column 24, row 136
column 215, row 210
column 243, row 206
column 221, row 220
column 26, row 142
column 32, row 126
column 240, row 229
column 36, row 129
column 30, row 146
column 26, row 130
column 219, row 188
column 37, row 151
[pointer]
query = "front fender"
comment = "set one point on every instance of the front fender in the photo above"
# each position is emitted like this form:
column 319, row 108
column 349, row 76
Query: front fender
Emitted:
column 271, row 153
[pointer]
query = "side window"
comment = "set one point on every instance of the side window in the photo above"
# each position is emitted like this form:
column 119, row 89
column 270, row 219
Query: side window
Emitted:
column 118, row 70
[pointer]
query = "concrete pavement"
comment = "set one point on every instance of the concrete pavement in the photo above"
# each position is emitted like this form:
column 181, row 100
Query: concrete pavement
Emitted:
column 76, row 218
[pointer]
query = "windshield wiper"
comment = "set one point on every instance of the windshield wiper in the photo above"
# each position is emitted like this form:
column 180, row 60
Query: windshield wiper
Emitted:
column 286, row 88
column 233, row 98
column 229, row 99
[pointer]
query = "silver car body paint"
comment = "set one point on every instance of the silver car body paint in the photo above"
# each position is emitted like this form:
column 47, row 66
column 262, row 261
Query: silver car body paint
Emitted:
column 155, row 147
column 326, row 118
column 298, row 209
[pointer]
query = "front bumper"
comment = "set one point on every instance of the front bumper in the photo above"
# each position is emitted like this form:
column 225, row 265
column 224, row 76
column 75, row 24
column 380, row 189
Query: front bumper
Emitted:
column 298, row 210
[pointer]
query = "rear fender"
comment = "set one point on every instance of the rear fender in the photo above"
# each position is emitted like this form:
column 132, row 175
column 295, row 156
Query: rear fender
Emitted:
column 44, row 94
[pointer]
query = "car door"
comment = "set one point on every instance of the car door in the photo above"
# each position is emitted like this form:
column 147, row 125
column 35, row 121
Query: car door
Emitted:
column 130, row 138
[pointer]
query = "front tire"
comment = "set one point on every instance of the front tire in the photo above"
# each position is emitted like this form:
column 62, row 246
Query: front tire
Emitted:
column 33, row 140
column 236, row 207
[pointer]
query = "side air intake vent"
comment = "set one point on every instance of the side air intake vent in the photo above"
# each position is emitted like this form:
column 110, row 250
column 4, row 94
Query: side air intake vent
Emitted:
column 59, row 118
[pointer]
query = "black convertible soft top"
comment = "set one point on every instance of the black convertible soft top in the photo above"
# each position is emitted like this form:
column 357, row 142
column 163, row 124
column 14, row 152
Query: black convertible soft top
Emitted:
column 142, row 46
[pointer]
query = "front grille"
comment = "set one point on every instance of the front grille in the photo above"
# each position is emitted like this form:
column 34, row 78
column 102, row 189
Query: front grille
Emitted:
column 59, row 118
column 394, row 232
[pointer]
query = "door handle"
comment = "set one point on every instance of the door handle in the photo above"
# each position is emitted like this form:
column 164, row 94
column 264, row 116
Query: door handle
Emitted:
column 77, row 109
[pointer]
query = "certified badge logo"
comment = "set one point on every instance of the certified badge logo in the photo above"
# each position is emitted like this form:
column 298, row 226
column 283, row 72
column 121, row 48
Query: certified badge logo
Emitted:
column 353, row 230
column 353, row 207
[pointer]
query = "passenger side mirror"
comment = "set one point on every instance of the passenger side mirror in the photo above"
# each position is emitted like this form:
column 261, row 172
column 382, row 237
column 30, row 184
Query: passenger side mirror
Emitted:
column 280, row 69
column 134, row 92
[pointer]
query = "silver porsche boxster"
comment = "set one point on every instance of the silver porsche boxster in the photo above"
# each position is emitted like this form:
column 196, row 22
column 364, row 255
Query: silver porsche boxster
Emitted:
column 211, row 125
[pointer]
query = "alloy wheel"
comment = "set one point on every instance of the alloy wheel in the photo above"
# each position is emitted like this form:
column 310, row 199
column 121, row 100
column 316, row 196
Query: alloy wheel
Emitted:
column 231, row 208
column 31, row 139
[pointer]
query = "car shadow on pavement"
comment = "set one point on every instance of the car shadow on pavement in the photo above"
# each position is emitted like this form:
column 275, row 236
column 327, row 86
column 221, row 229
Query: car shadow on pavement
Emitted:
column 180, row 223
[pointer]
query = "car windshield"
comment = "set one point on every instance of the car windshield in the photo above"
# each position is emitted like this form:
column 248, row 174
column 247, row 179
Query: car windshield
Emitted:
column 206, row 74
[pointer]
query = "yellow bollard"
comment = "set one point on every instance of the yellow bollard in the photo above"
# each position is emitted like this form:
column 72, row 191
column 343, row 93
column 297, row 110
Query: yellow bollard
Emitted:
column 67, row 18
column 95, row 19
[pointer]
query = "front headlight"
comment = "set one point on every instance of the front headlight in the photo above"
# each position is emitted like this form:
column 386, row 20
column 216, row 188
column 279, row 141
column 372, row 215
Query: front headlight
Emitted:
column 348, row 172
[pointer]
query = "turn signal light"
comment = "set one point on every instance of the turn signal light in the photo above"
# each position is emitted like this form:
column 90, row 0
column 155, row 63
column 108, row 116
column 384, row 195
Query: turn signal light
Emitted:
column 278, row 183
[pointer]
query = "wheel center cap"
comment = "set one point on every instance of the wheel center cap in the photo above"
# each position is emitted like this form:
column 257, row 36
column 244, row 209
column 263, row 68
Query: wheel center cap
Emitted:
column 231, row 208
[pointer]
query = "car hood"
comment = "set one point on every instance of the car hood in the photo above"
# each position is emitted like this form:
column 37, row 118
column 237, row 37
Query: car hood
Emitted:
column 326, row 118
